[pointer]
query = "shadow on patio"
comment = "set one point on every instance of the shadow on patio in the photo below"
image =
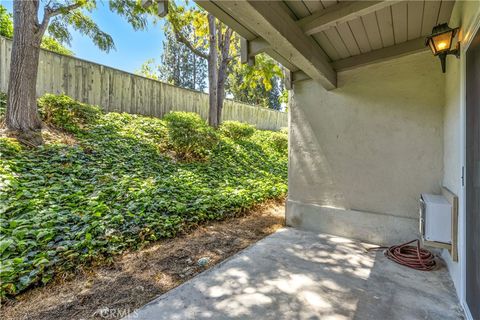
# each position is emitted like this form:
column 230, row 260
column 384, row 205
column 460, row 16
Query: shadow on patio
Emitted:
column 301, row 275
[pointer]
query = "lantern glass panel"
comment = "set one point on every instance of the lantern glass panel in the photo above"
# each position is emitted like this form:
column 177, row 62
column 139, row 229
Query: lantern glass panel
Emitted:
column 441, row 42
column 432, row 47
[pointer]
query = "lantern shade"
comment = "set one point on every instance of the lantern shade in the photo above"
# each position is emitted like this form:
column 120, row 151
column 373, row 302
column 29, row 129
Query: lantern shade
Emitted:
column 441, row 39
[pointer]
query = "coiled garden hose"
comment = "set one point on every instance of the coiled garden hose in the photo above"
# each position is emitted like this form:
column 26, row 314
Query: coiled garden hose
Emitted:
column 410, row 256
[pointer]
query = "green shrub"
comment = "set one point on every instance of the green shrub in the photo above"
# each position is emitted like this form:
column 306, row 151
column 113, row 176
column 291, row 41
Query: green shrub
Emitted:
column 67, row 206
column 284, row 130
column 9, row 147
column 189, row 135
column 237, row 130
column 66, row 113
column 3, row 104
column 279, row 141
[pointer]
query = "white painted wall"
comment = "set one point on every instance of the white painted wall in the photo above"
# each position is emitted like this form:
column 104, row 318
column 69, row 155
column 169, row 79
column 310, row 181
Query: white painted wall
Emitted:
column 360, row 155
column 467, row 15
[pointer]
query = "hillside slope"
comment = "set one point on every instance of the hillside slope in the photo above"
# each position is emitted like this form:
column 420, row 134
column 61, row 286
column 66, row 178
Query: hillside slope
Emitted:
column 118, row 181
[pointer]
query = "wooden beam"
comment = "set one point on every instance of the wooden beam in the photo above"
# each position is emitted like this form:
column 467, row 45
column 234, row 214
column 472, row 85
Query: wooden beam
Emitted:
column 287, row 79
column 453, row 200
column 279, row 58
column 273, row 24
column 340, row 13
column 299, row 76
column 220, row 14
column 162, row 8
column 290, row 78
column 257, row 46
column 243, row 50
column 249, row 49
column 399, row 50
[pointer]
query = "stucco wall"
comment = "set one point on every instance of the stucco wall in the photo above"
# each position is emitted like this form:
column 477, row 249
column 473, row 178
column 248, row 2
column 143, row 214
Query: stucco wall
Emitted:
column 466, row 15
column 361, row 154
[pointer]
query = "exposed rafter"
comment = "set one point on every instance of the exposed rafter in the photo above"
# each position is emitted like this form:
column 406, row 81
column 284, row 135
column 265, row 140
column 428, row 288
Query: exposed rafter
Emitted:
column 402, row 49
column 283, row 61
column 162, row 6
column 299, row 76
column 250, row 48
column 268, row 27
column 340, row 13
column 286, row 39
column 215, row 9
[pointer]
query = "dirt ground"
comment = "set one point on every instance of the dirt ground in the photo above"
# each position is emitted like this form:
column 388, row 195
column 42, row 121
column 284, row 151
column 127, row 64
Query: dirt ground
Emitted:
column 135, row 278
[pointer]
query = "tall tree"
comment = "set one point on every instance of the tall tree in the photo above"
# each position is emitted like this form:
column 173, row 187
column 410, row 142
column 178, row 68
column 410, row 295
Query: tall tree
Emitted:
column 22, row 114
column 212, row 41
column 275, row 96
column 218, row 45
column 179, row 65
column 49, row 43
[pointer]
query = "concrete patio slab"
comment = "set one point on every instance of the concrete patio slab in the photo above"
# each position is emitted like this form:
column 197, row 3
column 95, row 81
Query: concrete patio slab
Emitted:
column 295, row 274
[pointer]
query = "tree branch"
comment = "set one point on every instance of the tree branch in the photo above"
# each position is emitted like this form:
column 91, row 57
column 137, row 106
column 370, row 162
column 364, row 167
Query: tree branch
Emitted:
column 226, row 43
column 219, row 37
column 50, row 12
column 229, row 59
column 180, row 37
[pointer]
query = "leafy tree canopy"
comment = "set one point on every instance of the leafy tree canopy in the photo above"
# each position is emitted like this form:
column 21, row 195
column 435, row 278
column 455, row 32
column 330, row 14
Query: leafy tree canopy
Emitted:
column 74, row 13
column 6, row 23
column 49, row 43
column 261, row 73
column 258, row 84
column 190, row 26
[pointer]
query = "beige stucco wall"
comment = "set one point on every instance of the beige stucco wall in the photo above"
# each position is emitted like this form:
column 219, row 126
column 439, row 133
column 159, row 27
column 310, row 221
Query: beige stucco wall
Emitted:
column 466, row 15
column 361, row 154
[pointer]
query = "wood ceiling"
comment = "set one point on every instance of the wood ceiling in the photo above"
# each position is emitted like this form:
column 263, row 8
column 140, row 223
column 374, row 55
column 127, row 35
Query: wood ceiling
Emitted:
column 317, row 38
column 388, row 26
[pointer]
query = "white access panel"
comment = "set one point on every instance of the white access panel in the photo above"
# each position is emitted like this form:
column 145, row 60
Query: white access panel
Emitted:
column 436, row 218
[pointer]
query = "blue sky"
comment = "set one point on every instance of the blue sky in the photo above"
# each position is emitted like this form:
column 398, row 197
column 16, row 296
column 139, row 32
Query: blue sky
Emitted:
column 133, row 48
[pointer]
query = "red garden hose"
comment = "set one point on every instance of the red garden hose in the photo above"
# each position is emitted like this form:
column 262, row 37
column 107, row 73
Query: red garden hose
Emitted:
column 410, row 256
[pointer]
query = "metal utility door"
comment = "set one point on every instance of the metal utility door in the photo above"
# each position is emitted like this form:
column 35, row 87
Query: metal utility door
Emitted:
column 473, row 178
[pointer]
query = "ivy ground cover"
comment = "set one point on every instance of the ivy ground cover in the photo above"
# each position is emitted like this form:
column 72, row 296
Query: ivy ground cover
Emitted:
column 119, row 187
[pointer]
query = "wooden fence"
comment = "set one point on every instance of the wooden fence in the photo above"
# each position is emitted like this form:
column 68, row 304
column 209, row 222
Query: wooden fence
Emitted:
column 120, row 91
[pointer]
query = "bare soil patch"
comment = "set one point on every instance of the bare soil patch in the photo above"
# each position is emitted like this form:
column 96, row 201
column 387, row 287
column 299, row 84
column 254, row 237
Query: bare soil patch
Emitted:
column 135, row 278
column 49, row 135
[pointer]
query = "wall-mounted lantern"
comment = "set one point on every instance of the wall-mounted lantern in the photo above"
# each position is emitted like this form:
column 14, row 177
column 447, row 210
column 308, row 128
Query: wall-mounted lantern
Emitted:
column 440, row 42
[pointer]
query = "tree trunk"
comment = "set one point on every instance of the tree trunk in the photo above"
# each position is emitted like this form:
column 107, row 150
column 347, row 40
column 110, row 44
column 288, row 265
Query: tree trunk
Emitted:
column 194, row 72
column 22, row 112
column 220, row 92
column 222, row 72
column 212, row 73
